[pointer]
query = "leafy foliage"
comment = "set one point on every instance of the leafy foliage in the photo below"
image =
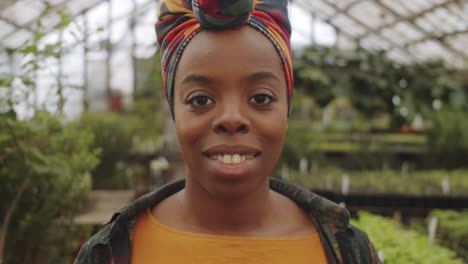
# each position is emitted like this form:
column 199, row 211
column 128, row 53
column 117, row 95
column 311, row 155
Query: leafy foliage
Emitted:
column 376, row 84
column 401, row 245
column 361, row 151
column 390, row 182
column 452, row 230
column 448, row 140
column 119, row 138
column 45, row 171
column 45, row 164
column 113, row 137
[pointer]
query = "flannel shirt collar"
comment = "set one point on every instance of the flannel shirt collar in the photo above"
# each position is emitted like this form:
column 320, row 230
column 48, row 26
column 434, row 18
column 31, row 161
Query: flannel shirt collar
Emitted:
column 328, row 217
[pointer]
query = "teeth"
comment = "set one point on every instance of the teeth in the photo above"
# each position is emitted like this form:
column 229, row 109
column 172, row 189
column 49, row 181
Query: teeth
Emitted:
column 235, row 159
column 231, row 158
column 227, row 159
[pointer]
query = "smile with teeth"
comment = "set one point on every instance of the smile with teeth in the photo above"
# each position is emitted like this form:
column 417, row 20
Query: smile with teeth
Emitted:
column 231, row 159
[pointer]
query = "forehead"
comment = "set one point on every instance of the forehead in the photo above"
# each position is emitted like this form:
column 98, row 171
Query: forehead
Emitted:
column 228, row 53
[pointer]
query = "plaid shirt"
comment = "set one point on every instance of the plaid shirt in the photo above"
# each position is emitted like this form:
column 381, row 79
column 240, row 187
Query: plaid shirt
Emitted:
column 342, row 242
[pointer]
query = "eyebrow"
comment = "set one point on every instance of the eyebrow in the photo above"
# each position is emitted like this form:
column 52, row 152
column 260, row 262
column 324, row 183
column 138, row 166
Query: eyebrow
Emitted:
column 207, row 80
column 198, row 78
column 262, row 75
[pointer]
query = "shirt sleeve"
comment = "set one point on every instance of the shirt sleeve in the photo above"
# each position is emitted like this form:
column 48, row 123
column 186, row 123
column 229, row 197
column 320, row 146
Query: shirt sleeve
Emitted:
column 356, row 247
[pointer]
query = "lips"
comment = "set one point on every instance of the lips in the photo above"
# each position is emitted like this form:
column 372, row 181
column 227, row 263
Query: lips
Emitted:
column 231, row 159
column 231, row 154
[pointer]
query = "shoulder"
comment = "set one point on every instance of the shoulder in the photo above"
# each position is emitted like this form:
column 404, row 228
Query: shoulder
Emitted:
column 95, row 248
column 321, row 209
column 290, row 220
column 333, row 222
column 120, row 227
column 355, row 244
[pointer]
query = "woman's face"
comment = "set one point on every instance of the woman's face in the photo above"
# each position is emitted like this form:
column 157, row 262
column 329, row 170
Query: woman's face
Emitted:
column 230, row 107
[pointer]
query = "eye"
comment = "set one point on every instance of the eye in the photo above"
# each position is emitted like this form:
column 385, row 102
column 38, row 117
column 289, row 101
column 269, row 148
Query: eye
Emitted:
column 262, row 99
column 200, row 100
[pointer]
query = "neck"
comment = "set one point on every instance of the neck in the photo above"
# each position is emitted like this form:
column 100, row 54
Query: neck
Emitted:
column 230, row 215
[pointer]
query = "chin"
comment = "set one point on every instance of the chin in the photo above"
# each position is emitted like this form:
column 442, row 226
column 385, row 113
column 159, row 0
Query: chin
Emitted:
column 229, row 187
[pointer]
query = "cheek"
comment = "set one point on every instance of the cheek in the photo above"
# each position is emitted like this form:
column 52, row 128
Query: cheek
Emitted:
column 186, row 131
column 273, row 130
column 190, row 131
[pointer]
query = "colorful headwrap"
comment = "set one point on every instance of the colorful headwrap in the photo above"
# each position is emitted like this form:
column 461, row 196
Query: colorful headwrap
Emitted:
column 179, row 21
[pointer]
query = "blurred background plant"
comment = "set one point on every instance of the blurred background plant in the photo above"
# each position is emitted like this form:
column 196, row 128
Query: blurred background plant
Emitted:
column 49, row 162
column 84, row 126
column 387, row 236
column 45, row 171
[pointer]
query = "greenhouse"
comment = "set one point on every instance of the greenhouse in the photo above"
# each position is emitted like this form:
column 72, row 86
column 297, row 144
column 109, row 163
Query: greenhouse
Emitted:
column 378, row 121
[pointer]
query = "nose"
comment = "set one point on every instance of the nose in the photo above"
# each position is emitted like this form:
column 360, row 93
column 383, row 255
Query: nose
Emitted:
column 231, row 120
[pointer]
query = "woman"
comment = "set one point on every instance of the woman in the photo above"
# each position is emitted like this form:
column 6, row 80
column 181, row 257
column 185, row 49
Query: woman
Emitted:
column 228, row 80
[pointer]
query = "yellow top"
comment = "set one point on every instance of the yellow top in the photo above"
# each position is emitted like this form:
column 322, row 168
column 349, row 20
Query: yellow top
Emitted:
column 155, row 243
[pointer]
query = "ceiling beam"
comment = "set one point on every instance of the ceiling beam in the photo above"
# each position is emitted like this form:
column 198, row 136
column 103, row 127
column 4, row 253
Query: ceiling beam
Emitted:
column 141, row 8
column 441, row 37
column 392, row 42
column 18, row 26
column 347, row 34
column 441, row 42
column 325, row 19
column 412, row 19
column 52, row 9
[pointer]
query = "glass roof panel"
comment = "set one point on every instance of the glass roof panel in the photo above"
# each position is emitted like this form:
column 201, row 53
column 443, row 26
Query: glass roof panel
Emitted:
column 440, row 20
column 348, row 25
column 17, row 39
column 119, row 30
column 50, row 20
column 459, row 42
column 321, row 8
column 413, row 6
column 55, row 2
column 121, row 8
column 394, row 35
column 397, row 6
column 424, row 24
column 428, row 50
column 80, row 5
column 301, row 28
column 343, row 42
column 408, row 31
column 460, row 10
column 324, row 33
column 140, row 2
column 343, row 4
column 371, row 14
column 383, row 24
column 24, row 11
column 6, row 3
column 380, row 43
column 7, row 28
column 399, row 56
column 147, row 15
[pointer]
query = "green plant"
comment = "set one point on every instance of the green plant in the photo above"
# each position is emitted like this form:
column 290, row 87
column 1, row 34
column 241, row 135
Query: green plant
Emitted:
column 452, row 230
column 375, row 84
column 448, row 140
column 45, row 171
column 44, row 164
column 113, row 137
column 423, row 183
column 401, row 245
column 359, row 151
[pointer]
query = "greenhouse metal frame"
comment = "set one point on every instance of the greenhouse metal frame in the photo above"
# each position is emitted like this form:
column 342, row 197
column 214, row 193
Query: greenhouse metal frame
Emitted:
column 107, row 37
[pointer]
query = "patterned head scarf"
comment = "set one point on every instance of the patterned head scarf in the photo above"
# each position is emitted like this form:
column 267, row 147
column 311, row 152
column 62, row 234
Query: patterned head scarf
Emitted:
column 180, row 20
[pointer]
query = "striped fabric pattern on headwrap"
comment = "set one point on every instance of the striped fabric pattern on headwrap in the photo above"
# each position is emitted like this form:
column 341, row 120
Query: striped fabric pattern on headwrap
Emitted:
column 179, row 20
